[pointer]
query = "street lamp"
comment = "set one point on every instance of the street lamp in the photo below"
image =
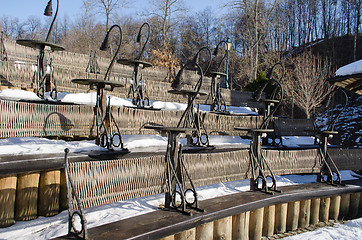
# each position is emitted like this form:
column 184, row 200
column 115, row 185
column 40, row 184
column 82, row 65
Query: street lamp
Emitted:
column 228, row 46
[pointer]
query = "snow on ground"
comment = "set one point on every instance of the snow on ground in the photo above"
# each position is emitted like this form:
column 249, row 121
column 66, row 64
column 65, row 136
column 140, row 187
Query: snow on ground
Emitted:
column 348, row 231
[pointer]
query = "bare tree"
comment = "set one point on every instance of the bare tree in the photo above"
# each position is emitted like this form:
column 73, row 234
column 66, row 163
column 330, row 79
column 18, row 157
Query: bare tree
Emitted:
column 255, row 15
column 33, row 27
column 165, row 12
column 109, row 6
column 309, row 87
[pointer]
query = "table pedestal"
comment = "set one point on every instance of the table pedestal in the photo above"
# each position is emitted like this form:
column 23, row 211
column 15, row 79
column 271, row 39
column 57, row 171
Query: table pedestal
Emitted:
column 329, row 172
column 218, row 104
column 259, row 165
column 138, row 89
column 178, row 196
column 44, row 77
column 192, row 119
column 108, row 133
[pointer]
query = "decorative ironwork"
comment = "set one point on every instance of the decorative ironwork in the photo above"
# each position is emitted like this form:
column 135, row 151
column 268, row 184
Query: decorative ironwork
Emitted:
column 329, row 172
column 45, row 77
column 108, row 133
column 218, row 104
column 191, row 118
column 177, row 194
column 92, row 66
column 259, row 165
column 138, row 88
column 74, row 214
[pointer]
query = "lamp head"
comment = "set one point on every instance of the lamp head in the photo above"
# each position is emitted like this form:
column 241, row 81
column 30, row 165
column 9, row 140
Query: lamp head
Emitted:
column 178, row 81
column 48, row 9
column 139, row 36
column 216, row 50
column 105, row 43
column 228, row 44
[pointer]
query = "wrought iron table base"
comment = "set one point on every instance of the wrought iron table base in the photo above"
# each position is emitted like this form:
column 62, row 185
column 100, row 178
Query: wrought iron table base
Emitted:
column 258, row 163
column 176, row 194
column 329, row 169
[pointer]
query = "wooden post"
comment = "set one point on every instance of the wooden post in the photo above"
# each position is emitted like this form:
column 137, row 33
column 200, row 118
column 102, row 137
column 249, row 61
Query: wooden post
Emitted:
column 355, row 199
column 314, row 210
column 49, row 193
column 63, row 201
column 7, row 200
column 186, row 235
column 222, row 228
column 324, row 210
column 334, row 207
column 26, row 204
column 269, row 221
column 304, row 213
column 205, row 231
column 293, row 215
column 240, row 224
column 281, row 218
column 345, row 203
column 256, row 224
column 172, row 237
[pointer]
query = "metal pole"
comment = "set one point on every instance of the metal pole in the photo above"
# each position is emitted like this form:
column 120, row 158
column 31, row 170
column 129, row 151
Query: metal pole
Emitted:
column 227, row 48
column 227, row 65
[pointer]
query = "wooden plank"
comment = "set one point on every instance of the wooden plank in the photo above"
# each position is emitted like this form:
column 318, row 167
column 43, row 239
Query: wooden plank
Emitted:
column 161, row 224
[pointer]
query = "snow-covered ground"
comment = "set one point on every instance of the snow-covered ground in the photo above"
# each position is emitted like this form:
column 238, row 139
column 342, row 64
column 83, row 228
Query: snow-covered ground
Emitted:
column 49, row 227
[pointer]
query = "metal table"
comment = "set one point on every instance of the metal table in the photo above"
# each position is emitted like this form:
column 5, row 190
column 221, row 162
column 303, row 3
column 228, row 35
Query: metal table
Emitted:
column 44, row 77
column 177, row 194
column 192, row 119
column 218, row 104
column 138, row 88
column 106, row 136
column 258, row 162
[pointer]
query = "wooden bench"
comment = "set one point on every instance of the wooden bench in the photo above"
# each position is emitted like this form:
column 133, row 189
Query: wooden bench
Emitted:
column 284, row 127
column 306, row 127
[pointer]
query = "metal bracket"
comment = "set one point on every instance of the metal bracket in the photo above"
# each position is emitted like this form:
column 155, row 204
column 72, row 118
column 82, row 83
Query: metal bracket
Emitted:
column 138, row 89
column 45, row 77
column 218, row 104
column 108, row 133
column 92, row 66
column 177, row 195
column 77, row 213
column 259, row 165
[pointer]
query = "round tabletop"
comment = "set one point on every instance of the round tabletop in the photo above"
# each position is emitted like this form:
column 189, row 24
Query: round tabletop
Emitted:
column 134, row 62
column 256, row 130
column 214, row 74
column 38, row 44
column 97, row 82
column 186, row 92
column 169, row 129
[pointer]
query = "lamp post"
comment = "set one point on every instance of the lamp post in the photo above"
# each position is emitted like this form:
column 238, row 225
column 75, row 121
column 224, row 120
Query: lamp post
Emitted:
column 49, row 12
column 228, row 45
